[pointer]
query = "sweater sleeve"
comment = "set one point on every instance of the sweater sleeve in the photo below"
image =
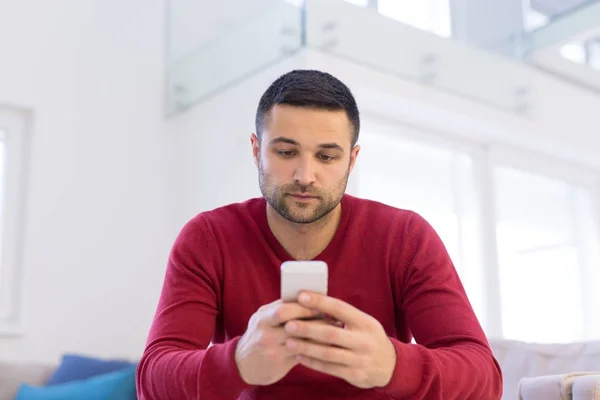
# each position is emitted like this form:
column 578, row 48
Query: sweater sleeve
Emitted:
column 451, row 358
column 178, row 361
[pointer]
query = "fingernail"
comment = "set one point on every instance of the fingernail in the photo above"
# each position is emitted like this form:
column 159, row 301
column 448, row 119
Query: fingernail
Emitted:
column 304, row 298
column 291, row 327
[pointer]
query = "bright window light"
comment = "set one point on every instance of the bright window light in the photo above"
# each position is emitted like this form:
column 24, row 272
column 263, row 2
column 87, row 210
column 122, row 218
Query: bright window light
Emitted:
column 436, row 182
column 594, row 54
column 534, row 20
column 362, row 3
column 2, row 157
column 540, row 259
column 574, row 52
column 428, row 15
column 13, row 140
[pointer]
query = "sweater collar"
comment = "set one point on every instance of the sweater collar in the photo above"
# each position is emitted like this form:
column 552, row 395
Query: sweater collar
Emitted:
column 260, row 216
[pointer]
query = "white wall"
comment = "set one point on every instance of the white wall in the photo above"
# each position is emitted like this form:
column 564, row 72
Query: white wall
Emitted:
column 213, row 154
column 98, row 227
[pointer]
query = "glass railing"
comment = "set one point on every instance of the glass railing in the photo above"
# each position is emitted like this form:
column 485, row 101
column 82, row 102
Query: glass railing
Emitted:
column 571, row 22
column 401, row 50
column 359, row 35
column 568, row 45
column 262, row 40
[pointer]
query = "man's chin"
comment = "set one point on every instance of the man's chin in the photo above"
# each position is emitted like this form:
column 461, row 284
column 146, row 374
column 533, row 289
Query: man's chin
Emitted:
column 303, row 221
column 302, row 215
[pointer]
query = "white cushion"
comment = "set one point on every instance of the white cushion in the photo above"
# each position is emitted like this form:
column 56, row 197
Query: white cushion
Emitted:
column 587, row 388
column 552, row 387
column 522, row 360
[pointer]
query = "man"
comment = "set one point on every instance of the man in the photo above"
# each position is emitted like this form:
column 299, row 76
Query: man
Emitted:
column 390, row 279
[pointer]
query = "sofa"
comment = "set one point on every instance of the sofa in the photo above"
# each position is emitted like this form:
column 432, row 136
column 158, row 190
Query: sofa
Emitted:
column 75, row 376
column 534, row 371
column 531, row 371
column 13, row 374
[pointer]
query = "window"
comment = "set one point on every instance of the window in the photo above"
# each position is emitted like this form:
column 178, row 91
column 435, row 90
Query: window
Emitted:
column 13, row 146
column 594, row 53
column 436, row 182
column 2, row 189
column 542, row 226
column 523, row 231
column 428, row 15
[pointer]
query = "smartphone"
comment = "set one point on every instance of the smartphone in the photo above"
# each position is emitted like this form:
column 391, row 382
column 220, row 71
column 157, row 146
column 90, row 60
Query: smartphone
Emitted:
column 298, row 276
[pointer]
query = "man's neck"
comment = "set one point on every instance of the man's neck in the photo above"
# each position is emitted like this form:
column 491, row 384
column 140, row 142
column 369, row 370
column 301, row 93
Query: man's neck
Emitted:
column 304, row 241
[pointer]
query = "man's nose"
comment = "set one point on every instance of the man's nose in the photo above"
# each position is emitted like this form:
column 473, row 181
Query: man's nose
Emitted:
column 305, row 173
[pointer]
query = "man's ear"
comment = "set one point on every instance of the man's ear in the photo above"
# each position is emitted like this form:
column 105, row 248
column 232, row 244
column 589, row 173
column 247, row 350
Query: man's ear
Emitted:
column 255, row 141
column 354, row 156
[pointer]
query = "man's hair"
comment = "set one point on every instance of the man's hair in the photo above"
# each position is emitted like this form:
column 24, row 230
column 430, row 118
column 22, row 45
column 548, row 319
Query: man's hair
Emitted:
column 310, row 89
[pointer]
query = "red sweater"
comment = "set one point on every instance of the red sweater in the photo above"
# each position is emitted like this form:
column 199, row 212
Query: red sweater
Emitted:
column 387, row 262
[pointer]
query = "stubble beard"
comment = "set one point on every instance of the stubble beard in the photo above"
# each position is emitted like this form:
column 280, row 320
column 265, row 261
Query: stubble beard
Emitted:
column 278, row 197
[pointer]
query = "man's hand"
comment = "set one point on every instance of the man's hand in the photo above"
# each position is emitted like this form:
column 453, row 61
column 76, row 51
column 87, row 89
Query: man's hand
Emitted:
column 360, row 353
column 261, row 355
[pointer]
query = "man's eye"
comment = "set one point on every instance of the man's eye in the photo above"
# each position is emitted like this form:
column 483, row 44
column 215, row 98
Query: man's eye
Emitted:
column 286, row 153
column 326, row 157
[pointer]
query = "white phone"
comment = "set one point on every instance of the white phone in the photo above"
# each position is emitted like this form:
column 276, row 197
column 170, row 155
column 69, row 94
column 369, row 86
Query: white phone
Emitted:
column 298, row 276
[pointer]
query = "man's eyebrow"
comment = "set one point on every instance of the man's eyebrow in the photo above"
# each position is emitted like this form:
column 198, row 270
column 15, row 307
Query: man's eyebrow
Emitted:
column 333, row 146
column 282, row 139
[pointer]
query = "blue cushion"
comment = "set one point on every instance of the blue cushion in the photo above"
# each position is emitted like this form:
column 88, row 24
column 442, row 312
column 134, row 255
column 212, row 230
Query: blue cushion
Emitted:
column 75, row 367
column 119, row 385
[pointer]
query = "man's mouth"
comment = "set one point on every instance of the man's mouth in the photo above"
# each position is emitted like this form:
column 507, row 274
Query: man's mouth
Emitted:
column 303, row 196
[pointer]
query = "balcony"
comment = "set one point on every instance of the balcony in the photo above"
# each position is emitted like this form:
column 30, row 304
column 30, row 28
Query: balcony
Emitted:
column 484, row 55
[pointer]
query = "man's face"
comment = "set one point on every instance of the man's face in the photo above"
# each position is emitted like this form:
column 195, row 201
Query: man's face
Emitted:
column 304, row 160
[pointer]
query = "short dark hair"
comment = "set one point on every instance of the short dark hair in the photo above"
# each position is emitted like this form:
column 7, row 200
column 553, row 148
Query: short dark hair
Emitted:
column 310, row 89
